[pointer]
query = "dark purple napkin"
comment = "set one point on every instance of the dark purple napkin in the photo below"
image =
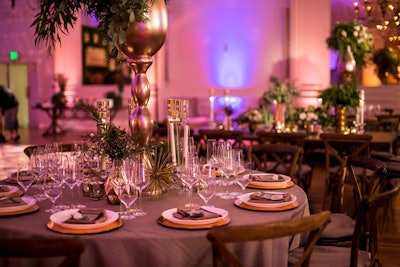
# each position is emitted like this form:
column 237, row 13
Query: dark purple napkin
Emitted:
column 11, row 202
column 269, row 198
column 185, row 213
column 267, row 178
column 88, row 216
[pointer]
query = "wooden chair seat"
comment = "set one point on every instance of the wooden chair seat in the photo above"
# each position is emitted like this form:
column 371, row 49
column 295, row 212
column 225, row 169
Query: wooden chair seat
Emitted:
column 220, row 236
column 368, row 220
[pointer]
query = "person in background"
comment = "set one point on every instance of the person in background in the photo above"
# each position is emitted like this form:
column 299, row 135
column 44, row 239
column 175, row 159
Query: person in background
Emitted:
column 9, row 109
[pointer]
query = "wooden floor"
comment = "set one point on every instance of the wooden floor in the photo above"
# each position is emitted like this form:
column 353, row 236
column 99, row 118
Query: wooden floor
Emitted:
column 389, row 247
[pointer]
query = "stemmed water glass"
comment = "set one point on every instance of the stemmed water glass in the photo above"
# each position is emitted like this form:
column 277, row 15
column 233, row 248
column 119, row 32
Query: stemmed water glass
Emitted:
column 206, row 185
column 52, row 190
column 190, row 177
column 23, row 180
column 39, row 169
column 141, row 181
column 69, row 174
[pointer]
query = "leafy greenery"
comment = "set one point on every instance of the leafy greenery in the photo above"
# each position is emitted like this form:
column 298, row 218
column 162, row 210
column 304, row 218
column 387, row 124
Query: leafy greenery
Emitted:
column 387, row 61
column 114, row 17
column 346, row 94
column 111, row 140
column 279, row 91
column 354, row 35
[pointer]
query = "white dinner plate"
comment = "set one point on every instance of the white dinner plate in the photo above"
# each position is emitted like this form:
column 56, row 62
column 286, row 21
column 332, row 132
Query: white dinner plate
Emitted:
column 169, row 215
column 246, row 199
column 30, row 201
column 60, row 217
column 11, row 190
column 260, row 183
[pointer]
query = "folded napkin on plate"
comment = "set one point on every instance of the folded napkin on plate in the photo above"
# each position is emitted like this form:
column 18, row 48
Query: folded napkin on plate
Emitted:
column 87, row 216
column 4, row 189
column 187, row 213
column 265, row 197
column 267, row 178
column 11, row 202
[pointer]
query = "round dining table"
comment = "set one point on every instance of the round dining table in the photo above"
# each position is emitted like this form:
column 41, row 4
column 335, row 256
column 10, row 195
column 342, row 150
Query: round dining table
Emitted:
column 144, row 241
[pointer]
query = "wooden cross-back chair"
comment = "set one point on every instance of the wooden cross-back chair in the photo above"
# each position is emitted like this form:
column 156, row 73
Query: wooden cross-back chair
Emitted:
column 275, row 158
column 366, row 174
column 219, row 236
column 66, row 250
column 356, row 255
column 338, row 147
column 303, row 170
column 234, row 137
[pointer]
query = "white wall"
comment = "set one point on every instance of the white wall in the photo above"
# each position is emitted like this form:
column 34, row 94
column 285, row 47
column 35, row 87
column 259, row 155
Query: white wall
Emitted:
column 222, row 44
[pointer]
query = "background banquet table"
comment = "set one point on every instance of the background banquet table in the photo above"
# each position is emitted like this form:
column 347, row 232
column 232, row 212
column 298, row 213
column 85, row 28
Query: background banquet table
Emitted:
column 144, row 242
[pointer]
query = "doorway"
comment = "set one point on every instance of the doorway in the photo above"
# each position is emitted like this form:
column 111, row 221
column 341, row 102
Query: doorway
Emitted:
column 15, row 77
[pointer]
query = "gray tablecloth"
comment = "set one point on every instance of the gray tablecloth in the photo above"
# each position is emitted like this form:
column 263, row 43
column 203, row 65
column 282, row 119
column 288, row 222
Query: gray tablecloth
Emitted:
column 144, row 242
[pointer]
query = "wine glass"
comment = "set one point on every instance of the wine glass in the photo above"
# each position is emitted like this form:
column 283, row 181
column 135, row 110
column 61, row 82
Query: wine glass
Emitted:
column 244, row 180
column 126, row 190
column 23, row 179
column 206, row 187
column 52, row 191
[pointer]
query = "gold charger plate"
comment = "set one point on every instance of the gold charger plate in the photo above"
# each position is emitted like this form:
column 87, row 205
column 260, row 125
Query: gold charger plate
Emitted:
column 109, row 227
column 31, row 209
column 161, row 220
column 281, row 208
column 272, row 186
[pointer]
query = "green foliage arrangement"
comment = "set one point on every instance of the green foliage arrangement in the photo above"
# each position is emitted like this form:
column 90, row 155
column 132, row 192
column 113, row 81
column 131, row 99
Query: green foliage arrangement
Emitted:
column 114, row 18
column 387, row 61
column 111, row 141
column 346, row 94
column 353, row 35
column 279, row 91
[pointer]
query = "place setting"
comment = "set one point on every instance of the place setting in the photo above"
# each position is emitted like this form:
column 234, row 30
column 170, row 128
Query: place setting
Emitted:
column 267, row 201
column 269, row 181
column 200, row 217
column 17, row 205
column 84, row 221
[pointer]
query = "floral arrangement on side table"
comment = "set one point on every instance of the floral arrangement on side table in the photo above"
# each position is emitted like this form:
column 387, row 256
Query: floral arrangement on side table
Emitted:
column 353, row 36
column 280, row 92
column 253, row 118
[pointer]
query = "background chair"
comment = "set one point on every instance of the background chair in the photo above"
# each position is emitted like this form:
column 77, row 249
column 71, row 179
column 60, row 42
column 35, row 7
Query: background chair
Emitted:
column 337, row 148
column 357, row 255
column 69, row 249
column 64, row 148
column 234, row 137
column 220, row 236
column 276, row 158
column 303, row 170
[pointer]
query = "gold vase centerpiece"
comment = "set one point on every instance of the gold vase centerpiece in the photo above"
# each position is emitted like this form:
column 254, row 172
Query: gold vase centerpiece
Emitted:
column 341, row 96
column 144, row 40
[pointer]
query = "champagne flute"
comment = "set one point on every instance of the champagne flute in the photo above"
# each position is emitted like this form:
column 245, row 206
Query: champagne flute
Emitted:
column 69, row 174
column 190, row 177
column 141, row 181
column 39, row 167
column 52, row 191
column 23, row 180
